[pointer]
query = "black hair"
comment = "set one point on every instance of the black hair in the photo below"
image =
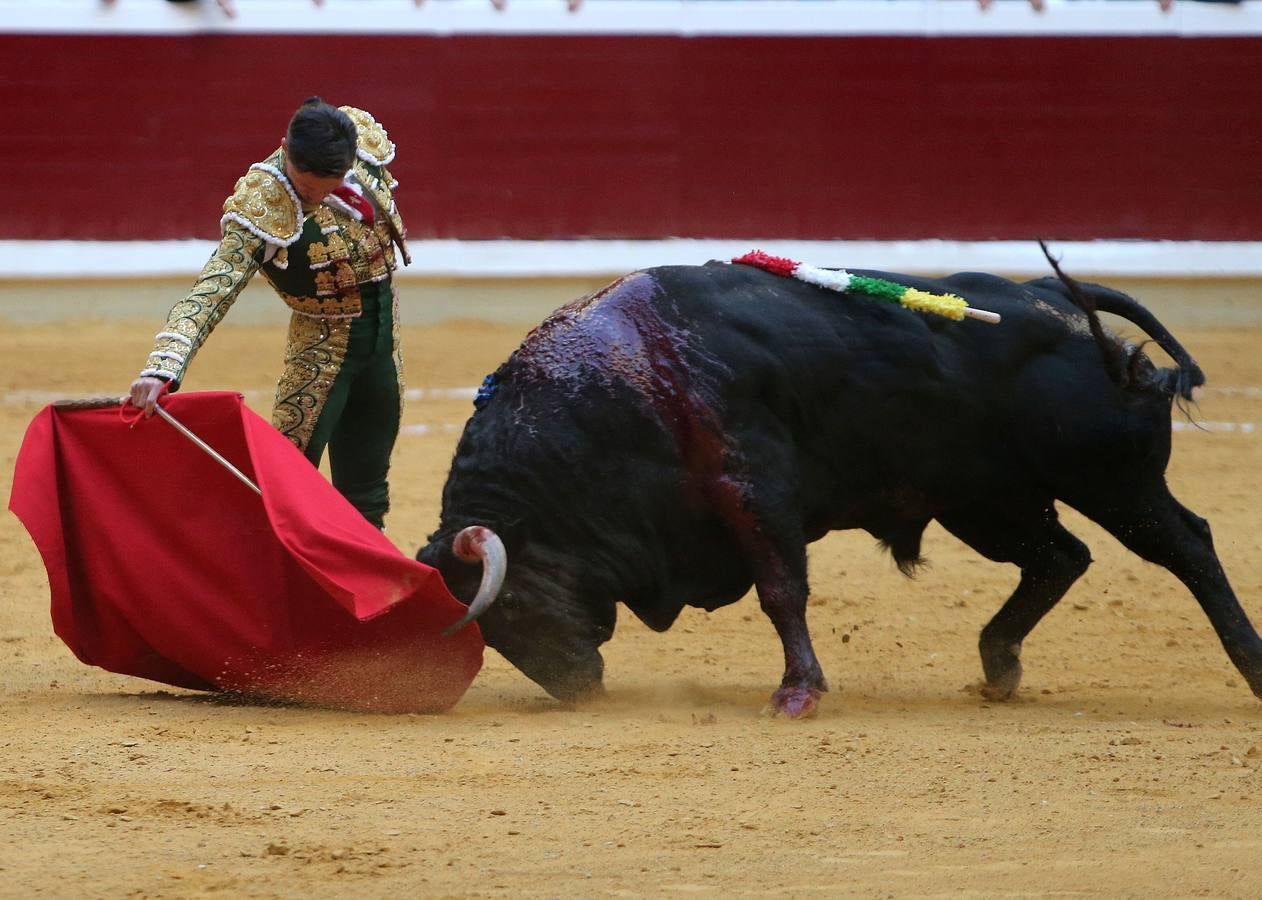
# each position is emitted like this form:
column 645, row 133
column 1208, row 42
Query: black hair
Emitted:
column 321, row 139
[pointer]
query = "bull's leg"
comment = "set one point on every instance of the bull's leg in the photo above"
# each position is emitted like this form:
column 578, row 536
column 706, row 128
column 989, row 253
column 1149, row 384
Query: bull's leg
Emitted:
column 780, row 578
column 765, row 521
column 1050, row 558
column 1161, row 530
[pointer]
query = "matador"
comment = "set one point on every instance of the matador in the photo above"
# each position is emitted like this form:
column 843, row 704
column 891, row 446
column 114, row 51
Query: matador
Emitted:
column 328, row 246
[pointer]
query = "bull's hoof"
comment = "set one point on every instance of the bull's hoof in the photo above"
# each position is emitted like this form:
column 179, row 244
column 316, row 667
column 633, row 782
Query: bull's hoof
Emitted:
column 572, row 698
column 1002, row 686
column 794, row 702
column 1252, row 672
column 1002, row 666
column 998, row 692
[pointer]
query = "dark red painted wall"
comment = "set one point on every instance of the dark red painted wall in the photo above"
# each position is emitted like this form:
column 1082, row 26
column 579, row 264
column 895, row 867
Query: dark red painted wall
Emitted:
column 647, row 137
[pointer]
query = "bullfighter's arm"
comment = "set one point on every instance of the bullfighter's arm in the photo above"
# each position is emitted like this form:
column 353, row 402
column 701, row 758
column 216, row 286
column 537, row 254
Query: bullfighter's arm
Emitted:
column 191, row 321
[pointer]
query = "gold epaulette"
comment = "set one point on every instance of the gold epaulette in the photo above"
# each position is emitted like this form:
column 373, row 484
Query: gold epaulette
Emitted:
column 265, row 203
column 375, row 145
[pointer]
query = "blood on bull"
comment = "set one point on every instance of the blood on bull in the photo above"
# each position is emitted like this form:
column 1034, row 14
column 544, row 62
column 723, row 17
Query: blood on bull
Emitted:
column 683, row 434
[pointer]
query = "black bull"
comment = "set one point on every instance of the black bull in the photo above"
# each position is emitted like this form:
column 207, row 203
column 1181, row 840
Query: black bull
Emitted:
column 682, row 435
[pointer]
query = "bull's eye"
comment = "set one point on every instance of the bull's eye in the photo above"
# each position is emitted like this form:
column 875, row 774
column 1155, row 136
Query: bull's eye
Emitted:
column 507, row 604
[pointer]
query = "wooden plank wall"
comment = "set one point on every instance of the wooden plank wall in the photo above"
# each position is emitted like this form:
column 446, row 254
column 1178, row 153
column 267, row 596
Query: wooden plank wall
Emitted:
column 626, row 136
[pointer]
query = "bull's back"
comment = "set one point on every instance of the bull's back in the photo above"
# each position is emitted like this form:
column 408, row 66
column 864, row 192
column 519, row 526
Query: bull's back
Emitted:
column 870, row 392
column 694, row 351
column 777, row 336
column 733, row 334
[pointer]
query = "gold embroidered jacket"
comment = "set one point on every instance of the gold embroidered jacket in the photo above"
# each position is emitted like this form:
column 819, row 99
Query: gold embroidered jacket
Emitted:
column 315, row 259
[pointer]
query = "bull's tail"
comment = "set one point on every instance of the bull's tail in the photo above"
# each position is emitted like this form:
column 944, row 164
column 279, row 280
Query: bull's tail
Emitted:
column 1123, row 366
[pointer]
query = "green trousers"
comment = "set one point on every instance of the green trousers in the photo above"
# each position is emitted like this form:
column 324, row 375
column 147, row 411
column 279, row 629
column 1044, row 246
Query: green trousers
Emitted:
column 360, row 419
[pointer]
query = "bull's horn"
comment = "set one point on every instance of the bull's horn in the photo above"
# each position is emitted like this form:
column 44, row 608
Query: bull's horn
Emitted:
column 477, row 543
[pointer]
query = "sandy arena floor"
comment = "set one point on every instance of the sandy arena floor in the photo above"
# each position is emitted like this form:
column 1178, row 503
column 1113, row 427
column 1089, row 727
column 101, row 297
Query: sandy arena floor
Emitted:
column 1131, row 765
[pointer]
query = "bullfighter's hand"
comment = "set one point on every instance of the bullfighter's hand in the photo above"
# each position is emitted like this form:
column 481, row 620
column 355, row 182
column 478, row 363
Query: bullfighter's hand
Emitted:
column 145, row 392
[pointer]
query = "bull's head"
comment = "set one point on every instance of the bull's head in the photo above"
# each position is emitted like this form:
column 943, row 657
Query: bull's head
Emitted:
column 530, row 612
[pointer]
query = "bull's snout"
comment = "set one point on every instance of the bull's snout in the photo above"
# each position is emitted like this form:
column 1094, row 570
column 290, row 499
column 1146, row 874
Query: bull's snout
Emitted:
column 567, row 678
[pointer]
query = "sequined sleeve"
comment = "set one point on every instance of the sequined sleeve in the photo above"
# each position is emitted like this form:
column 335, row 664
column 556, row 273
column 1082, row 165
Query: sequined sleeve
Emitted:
column 192, row 320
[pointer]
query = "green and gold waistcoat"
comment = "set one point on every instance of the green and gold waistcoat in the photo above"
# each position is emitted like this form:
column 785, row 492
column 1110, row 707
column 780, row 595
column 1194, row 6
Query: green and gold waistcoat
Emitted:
column 315, row 259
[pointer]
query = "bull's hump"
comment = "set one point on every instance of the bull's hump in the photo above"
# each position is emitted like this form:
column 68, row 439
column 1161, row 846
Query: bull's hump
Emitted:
column 617, row 334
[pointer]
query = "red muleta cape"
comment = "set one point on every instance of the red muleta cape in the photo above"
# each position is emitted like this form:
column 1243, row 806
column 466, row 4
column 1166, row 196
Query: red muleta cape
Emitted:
column 161, row 564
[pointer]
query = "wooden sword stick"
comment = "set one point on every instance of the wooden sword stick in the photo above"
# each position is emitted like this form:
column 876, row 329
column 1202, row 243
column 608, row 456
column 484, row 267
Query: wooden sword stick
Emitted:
column 211, row 451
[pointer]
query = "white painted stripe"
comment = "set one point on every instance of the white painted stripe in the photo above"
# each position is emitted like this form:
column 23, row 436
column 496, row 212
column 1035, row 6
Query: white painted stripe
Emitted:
column 425, row 429
column 458, row 393
column 1237, row 427
column 683, row 18
column 592, row 258
column 1252, row 393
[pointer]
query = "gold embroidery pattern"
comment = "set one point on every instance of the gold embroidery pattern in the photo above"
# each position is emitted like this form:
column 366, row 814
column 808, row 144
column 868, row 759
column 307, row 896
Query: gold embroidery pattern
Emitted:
column 378, row 267
column 366, row 250
column 345, row 277
column 334, row 249
column 317, row 255
column 370, row 182
column 375, row 145
column 325, row 286
column 388, row 259
column 397, row 349
column 354, row 231
column 383, row 190
column 325, row 218
column 232, row 264
column 328, row 305
column 263, row 203
column 313, row 357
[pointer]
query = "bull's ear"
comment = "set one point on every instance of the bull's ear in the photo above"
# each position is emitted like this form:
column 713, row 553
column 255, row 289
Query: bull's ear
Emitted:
column 438, row 552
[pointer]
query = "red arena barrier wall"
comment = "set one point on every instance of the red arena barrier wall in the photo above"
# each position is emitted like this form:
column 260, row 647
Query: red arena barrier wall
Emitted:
column 646, row 136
